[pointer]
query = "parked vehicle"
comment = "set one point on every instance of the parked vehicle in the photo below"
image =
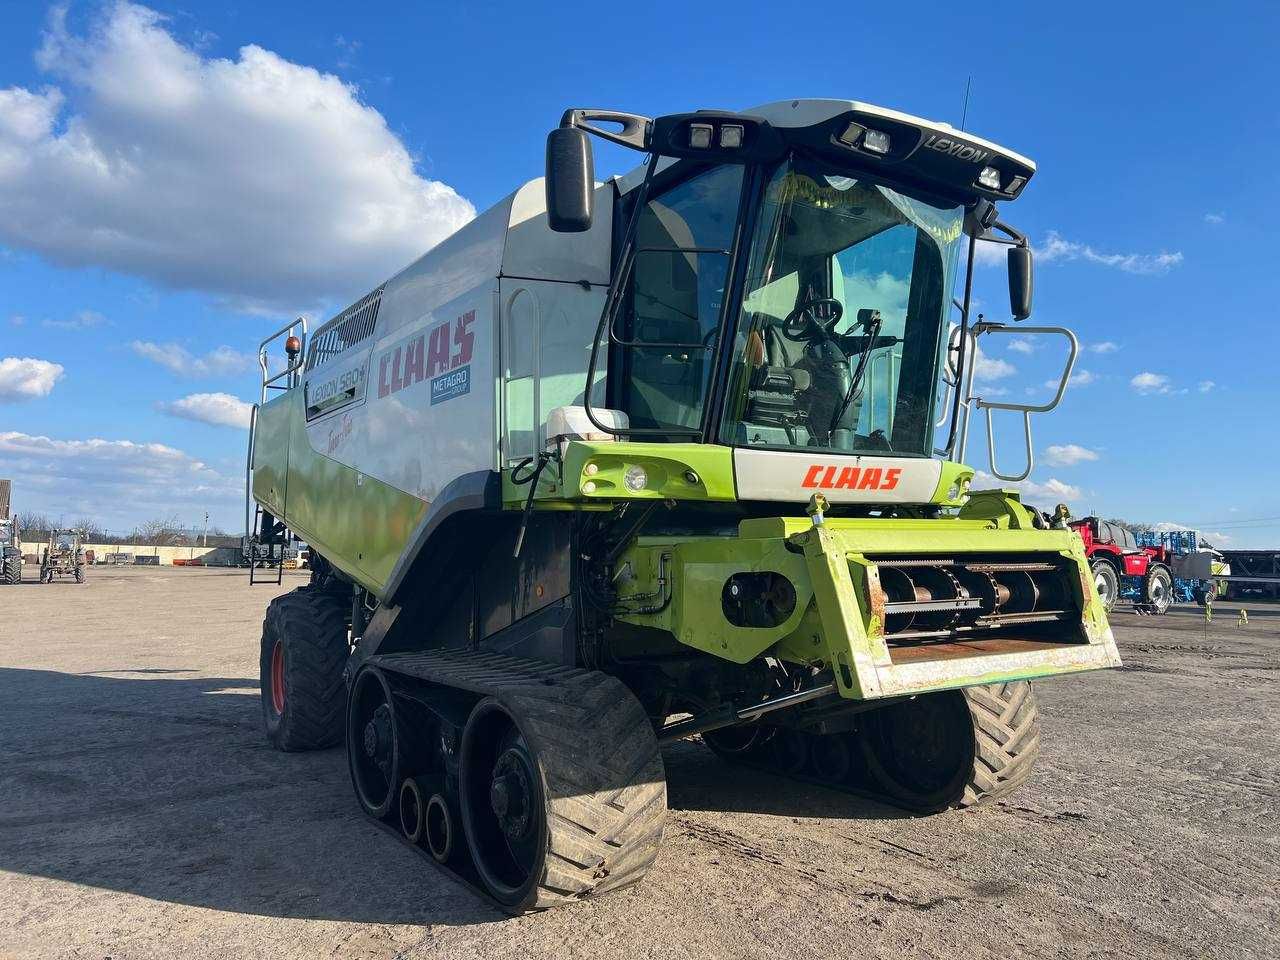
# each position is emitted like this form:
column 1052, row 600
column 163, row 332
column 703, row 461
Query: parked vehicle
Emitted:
column 1114, row 554
column 63, row 557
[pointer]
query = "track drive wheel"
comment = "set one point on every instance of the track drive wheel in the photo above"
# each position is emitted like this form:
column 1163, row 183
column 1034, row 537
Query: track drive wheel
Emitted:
column 375, row 748
column 1157, row 588
column 563, row 794
column 957, row 748
column 1107, row 581
column 304, row 648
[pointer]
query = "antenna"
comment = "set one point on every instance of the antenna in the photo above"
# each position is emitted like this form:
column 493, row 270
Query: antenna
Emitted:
column 964, row 112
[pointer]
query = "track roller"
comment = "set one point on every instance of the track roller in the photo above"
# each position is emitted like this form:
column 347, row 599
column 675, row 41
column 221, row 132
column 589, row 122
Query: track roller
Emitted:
column 440, row 829
column 412, row 810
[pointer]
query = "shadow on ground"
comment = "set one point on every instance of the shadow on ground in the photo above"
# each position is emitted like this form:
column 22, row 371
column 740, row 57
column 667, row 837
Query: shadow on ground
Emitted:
column 159, row 784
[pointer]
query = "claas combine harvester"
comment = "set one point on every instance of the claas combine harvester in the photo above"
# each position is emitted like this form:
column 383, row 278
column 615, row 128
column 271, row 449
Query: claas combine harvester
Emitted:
column 675, row 455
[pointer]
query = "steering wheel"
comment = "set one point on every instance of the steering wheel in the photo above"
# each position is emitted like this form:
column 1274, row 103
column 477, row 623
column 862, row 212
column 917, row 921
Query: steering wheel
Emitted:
column 813, row 318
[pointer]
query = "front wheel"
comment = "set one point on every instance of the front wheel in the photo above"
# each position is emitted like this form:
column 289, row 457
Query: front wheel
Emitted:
column 1107, row 581
column 13, row 570
column 957, row 748
column 1157, row 589
column 304, row 648
column 79, row 574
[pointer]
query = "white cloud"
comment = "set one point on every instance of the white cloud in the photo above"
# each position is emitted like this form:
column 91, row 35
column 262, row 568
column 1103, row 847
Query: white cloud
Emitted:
column 218, row 409
column 1080, row 378
column 117, row 482
column 1068, row 454
column 221, row 361
column 1021, row 345
column 17, row 320
column 1106, row 346
column 885, row 293
column 1147, row 382
column 1214, row 217
column 256, row 178
column 989, row 254
column 988, row 368
column 25, row 378
column 82, row 320
column 1057, row 247
column 1037, row 494
column 1204, row 386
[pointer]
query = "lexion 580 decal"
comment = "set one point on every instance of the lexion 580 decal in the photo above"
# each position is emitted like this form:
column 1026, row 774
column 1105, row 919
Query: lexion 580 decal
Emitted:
column 441, row 354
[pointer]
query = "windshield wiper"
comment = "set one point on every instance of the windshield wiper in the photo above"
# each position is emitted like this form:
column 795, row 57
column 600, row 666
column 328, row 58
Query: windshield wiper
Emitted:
column 855, row 384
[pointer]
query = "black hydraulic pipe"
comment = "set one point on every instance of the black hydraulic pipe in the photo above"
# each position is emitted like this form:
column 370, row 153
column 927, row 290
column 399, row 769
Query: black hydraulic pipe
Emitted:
column 729, row 714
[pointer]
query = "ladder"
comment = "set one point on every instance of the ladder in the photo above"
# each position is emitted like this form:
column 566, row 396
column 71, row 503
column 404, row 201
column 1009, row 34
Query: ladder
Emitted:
column 262, row 531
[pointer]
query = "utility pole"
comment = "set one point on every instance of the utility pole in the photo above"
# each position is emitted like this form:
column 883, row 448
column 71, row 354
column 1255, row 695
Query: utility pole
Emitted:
column 205, row 536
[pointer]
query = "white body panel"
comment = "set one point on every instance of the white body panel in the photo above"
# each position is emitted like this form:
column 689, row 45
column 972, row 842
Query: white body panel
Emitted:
column 794, row 476
column 429, row 395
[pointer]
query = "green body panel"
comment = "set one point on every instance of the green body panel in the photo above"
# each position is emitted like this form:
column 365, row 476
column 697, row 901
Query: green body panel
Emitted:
column 593, row 470
column 835, row 622
column 360, row 525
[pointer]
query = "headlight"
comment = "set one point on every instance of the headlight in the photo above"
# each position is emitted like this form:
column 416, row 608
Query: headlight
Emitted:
column 635, row 479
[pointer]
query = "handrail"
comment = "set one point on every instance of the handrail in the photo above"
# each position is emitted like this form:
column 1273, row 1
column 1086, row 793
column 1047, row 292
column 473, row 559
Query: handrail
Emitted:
column 290, row 372
column 1026, row 409
column 248, row 474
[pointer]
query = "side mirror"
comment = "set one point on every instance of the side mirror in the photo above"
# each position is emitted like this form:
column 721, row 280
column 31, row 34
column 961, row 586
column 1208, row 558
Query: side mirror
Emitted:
column 1020, row 282
column 571, row 180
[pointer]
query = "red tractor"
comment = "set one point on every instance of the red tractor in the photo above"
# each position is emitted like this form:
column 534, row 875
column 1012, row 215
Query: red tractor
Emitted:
column 1113, row 552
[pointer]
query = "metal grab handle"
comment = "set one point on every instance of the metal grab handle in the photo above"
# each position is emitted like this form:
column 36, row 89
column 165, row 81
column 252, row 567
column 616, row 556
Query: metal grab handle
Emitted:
column 1026, row 409
column 289, row 371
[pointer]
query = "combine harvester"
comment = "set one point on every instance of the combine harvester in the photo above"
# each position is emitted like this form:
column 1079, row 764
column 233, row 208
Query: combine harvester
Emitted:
column 678, row 454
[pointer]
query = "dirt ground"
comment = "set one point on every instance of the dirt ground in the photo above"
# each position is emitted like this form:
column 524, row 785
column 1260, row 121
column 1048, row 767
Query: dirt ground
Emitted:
column 143, row 815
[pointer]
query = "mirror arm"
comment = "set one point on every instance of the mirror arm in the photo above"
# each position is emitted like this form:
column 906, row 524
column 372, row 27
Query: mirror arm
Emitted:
column 635, row 130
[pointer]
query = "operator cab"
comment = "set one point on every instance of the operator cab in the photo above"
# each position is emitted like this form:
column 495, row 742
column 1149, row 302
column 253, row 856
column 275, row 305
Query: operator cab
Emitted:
column 786, row 274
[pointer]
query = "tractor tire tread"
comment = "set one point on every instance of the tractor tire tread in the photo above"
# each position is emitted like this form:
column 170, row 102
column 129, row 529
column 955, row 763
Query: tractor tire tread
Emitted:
column 1006, row 725
column 312, row 625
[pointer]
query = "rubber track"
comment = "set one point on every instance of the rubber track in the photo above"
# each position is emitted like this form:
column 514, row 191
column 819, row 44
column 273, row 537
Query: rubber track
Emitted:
column 601, row 767
column 312, row 623
column 1006, row 729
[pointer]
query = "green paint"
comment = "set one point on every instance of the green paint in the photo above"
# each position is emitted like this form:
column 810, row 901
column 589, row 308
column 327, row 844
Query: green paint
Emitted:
column 359, row 524
column 955, row 475
column 674, row 471
column 833, row 623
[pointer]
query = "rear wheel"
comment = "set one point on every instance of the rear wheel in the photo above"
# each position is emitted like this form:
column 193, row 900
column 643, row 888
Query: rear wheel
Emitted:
column 953, row 749
column 79, row 574
column 304, row 648
column 1157, row 588
column 1107, row 581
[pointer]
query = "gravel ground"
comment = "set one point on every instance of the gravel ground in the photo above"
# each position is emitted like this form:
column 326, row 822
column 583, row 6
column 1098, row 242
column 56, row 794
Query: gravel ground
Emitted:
column 144, row 815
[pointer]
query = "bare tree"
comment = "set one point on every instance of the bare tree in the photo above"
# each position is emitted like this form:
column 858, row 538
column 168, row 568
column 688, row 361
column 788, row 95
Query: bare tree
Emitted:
column 90, row 530
column 160, row 532
column 34, row 526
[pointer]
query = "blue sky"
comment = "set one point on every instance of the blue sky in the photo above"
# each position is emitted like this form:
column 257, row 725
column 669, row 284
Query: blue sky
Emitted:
column 178, row 179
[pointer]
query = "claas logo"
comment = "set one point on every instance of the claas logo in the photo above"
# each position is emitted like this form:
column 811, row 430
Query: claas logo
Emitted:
column 444, row 348
column 823, row 477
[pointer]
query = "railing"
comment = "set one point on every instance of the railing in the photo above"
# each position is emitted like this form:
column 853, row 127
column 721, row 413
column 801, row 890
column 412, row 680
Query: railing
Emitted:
column 963, row 381
column 289, row 374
